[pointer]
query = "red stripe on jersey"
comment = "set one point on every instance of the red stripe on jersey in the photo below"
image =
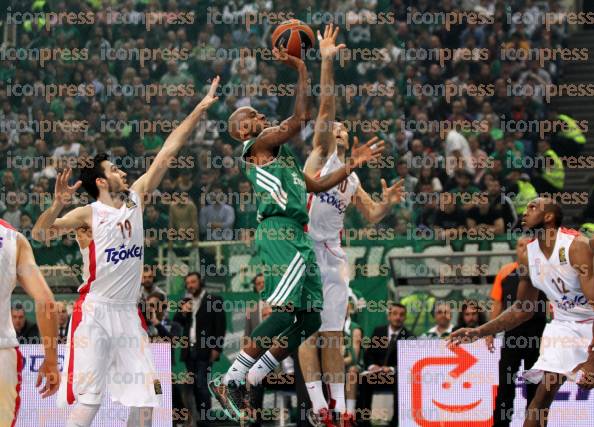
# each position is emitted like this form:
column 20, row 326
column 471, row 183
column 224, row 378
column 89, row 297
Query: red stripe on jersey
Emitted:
column 77, row 318
column 310, row 201
column 17, row 402
column 6, row 225
column 569, row 231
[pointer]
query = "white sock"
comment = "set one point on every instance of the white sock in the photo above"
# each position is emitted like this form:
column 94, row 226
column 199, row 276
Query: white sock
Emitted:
column 140, row 417
column 82, row 415
column 351, row 405
column 240, row 367
column 263, row 367
column 316, row 395
column 337, row 394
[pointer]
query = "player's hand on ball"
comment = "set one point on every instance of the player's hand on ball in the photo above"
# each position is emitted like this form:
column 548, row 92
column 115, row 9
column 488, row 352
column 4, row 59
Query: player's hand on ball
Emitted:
column 211, row 96
column 393, row 194
column 63, row 192
column 48, row 372
column 285, row 58
column 328, row 48
column 372, row 150
column 464, row 336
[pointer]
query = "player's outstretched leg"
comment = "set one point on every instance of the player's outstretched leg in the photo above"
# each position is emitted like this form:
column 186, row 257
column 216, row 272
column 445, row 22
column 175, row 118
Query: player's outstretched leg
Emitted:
column 538, row 410
column 230, row 389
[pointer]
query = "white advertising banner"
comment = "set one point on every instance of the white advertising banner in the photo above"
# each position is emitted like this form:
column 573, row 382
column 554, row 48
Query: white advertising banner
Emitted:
column 37, row 412
column 456, row 387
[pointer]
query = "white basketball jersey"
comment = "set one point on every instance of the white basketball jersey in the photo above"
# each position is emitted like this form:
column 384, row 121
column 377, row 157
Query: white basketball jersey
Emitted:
column 327, row 209
column 558, row 279
column 113, row 261
column 8, row 263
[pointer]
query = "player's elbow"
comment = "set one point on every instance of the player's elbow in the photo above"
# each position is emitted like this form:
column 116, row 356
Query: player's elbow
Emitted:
column 525, row 315
column 38, row 234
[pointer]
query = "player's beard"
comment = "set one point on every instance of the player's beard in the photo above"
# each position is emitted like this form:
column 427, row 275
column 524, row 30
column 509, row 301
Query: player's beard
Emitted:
column 537, row 229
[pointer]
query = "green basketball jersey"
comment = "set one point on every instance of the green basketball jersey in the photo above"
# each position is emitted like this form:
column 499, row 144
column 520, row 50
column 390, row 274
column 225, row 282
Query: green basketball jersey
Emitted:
column 279, row 185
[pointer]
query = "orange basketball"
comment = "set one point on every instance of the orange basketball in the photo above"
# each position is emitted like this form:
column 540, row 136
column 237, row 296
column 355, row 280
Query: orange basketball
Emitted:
column 294, row 35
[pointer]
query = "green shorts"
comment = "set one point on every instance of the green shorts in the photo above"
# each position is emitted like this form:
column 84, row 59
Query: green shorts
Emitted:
column 291, row 273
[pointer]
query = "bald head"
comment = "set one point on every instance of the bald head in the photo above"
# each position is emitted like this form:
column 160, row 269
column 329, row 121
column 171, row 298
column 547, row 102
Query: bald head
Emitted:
column 245, row 123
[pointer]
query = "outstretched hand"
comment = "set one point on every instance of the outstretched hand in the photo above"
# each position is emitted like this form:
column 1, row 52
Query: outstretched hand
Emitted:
column 464, row 336
column 63, row 192
column 328, row 47
column 394, row 194
column 210, row 97
column 366, row 153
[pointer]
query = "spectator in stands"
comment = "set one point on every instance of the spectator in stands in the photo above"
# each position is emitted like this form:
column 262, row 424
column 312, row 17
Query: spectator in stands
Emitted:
column 449, row 220
column 148, row 283
column 217, row 218
column 63, row 319
column 402, row 172
column 484, row 219
column 382, row 362
column 204, row 325
column 155, row 225
column 27, row 332
column 442, row 314
column 160, row 328
column 183, row 217
column 549, row 176
column 520, row 345
column 12, row 215
column 471, row 315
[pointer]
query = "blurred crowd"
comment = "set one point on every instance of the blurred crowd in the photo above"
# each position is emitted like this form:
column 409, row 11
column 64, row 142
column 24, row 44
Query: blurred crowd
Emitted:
column 460, row 180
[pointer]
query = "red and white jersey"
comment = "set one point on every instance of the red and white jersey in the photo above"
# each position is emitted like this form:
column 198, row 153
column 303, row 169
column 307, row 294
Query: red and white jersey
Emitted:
column 113, row 261
column 327, row 209
column 558, row 279
column 8, row 263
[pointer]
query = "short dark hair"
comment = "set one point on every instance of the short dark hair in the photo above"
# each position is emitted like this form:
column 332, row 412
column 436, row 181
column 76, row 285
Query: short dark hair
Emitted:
column 18, row 306
column 89, row 174
column 157, row 294
column 193, row 273
column 393, row 304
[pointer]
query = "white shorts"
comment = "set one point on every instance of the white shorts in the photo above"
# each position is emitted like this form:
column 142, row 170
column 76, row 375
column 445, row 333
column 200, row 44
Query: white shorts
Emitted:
column 108, row 347
column 334, row 271
column 564, row 345
column 11, row 362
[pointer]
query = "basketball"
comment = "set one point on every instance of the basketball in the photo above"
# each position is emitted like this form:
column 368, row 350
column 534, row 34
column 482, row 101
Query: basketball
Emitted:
column 294, row 35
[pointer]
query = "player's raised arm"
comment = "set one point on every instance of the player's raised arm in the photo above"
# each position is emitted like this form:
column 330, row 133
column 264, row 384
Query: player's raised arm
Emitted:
column 274, row 136
column 323, row 141
column 359, row 156
column 48, row 226
column 519, row 312
column 30, row 278
column 149, row 182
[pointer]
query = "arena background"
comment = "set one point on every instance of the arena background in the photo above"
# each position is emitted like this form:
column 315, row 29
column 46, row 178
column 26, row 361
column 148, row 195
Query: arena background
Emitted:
column 94, row 92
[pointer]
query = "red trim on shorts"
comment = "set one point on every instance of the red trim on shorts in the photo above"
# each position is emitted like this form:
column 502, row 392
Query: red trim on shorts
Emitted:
column 77, row 318
column 569, row 231
column 330, row 250
column 17, row 402
column 142, row 320
column 6, row 225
